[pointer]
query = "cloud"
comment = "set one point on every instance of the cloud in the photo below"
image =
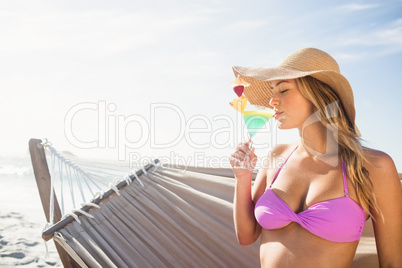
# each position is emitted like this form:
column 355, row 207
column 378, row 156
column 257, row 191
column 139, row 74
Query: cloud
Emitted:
column 391, row 35
column 387, row 37
column 358, row 7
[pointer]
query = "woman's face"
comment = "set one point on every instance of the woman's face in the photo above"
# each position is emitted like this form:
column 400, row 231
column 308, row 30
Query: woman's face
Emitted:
column 290, row 106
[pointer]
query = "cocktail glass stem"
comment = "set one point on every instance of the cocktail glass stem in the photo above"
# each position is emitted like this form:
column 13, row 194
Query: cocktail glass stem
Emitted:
column 246, row 164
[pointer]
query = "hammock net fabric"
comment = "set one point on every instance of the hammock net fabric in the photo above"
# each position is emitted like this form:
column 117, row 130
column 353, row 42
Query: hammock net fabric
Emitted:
column 172, row 216
column 178, row 219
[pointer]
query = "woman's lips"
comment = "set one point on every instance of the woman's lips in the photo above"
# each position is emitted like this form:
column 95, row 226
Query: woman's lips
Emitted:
column 277, row 114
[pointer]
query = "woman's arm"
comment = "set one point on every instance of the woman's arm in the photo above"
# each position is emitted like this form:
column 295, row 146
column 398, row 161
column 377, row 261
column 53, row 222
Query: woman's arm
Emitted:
column 246, row 227
column 388, row 226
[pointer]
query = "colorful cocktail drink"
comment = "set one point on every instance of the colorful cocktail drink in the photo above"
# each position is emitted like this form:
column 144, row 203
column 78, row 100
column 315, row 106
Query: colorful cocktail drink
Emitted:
column 256, row 117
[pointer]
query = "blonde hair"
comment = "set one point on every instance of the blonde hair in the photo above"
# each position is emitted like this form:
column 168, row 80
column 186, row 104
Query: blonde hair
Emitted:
column 327, row 102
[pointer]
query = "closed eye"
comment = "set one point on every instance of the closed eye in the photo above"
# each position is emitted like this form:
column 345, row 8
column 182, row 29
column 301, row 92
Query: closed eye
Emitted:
column 283, row 91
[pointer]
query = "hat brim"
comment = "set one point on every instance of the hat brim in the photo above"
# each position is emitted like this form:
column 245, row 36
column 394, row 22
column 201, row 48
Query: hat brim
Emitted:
column 260, row 93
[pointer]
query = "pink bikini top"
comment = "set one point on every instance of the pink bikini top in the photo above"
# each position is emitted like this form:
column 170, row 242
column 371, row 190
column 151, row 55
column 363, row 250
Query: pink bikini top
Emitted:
column 339, row 220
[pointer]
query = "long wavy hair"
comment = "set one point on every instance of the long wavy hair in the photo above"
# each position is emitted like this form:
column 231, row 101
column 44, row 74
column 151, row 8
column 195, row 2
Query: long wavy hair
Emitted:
column 352, row 152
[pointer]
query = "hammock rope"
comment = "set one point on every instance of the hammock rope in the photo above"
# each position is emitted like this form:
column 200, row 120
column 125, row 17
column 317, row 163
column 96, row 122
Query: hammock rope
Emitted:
column 81, row 177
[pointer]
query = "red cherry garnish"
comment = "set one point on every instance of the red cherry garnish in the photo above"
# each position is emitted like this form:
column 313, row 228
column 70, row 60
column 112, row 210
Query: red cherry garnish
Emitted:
column 239, row 90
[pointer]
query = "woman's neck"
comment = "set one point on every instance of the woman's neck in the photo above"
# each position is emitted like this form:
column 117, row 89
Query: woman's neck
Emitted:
column 319, row 142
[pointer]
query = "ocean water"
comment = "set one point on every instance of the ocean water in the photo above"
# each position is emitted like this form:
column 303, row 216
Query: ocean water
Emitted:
column 22, row 218
column 18, row 190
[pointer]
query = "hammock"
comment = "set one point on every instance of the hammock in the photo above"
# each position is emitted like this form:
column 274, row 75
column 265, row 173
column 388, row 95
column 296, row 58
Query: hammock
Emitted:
column 158, row 216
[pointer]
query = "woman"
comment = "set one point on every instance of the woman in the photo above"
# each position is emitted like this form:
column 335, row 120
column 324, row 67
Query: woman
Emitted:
column 311, row 198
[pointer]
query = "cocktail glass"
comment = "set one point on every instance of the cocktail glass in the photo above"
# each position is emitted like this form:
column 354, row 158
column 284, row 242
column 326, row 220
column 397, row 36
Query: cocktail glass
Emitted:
column 255, row 118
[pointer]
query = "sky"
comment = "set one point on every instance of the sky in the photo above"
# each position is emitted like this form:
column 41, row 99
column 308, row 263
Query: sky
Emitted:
column 138, row 80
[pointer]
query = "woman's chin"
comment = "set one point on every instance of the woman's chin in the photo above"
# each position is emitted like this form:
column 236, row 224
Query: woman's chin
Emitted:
column 284, row 126
column 281, row 125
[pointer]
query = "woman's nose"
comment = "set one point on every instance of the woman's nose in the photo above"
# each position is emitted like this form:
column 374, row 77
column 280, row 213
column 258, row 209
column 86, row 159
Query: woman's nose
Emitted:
column 274, row 101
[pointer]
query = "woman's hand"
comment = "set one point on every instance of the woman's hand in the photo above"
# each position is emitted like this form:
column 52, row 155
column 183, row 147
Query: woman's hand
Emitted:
column 246, row 227
column 243, row 160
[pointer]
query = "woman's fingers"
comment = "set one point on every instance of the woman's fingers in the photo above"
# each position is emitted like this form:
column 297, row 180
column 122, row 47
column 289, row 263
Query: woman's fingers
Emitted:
column 243, row 155
column 241, row 152
column 234, row 162
column 244, row 147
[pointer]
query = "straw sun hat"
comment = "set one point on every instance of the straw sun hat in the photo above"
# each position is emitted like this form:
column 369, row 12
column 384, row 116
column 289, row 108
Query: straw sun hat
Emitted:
column 303, row 62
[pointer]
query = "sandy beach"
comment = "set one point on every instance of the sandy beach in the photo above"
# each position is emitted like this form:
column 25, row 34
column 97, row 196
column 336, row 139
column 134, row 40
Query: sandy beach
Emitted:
column 22, row 219
column 21, row 244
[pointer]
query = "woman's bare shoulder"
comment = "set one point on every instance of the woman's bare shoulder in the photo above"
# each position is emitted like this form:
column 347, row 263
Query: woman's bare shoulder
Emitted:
column 380, row 165
column 281, row 149
column 388, row 194
column 276, row 157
